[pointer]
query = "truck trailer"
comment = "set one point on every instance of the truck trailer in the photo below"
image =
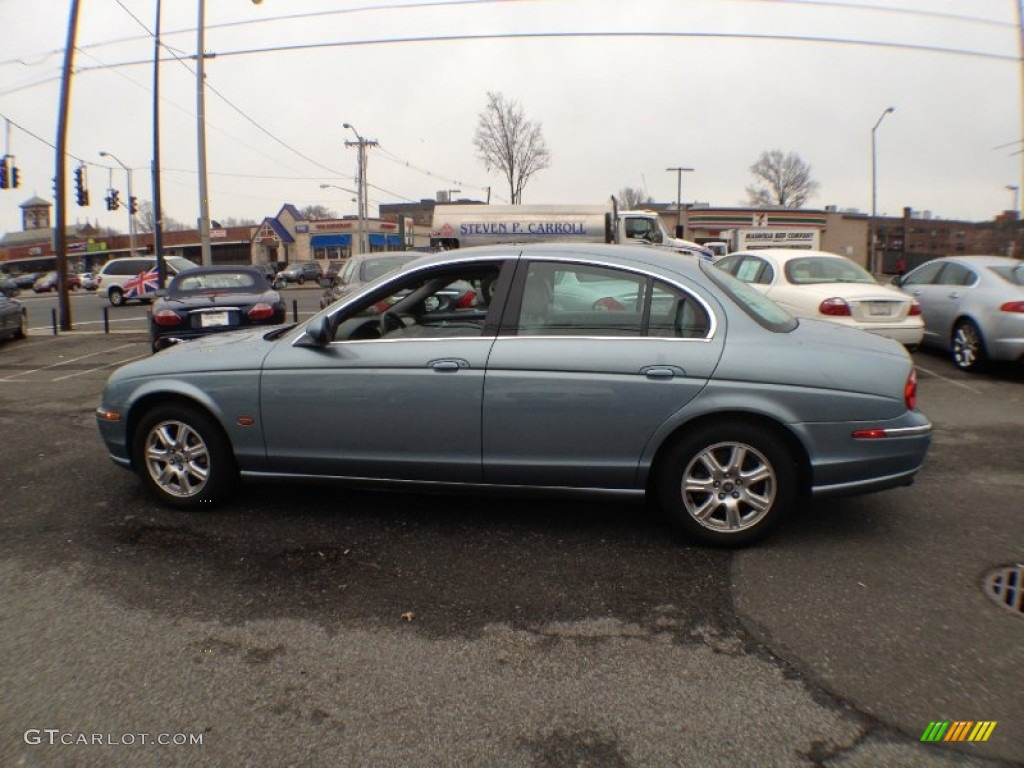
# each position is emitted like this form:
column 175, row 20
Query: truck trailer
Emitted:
column 462, row 226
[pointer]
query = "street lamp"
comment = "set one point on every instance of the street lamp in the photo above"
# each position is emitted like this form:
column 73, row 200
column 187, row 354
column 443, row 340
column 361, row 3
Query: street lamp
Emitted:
column 679, row 198
column 876, row 268
column 130, row 201
column 343, row 189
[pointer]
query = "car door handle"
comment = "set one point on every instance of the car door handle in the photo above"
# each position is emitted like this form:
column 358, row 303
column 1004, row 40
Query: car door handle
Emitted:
column 662, row 371
column 447, row 366
column 955, row 295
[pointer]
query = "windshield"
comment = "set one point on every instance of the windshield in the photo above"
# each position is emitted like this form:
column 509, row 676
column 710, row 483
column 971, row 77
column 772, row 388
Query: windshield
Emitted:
column 374, row 268
column 766, row 312
column 195, row 282
column 825, row 269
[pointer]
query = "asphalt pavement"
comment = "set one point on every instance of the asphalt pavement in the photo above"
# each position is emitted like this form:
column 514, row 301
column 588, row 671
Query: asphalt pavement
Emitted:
column 302, row 625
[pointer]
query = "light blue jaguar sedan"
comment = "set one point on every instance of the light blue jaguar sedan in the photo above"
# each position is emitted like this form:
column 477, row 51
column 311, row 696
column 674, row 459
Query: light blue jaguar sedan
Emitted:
column 480, row 369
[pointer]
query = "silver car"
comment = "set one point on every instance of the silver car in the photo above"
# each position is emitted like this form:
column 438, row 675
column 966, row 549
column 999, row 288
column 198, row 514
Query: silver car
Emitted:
column 973, row 306
column 687, row 386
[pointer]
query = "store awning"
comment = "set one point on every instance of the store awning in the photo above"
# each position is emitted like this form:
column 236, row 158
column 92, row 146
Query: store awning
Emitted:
column 394, row 240
column 331, row 241
column 376, row 238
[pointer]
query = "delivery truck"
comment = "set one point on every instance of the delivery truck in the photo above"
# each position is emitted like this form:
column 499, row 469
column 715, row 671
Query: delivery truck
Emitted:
column 462, row 226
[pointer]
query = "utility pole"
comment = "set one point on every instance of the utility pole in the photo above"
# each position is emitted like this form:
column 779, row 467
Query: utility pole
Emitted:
column 204, row 196
column 361, row 186
column 158, row 222
column 60, row 234
column 679, row 198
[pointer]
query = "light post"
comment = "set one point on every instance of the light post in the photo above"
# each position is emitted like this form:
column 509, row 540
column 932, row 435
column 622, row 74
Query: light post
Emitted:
column 130, row 201
column 204, row 200
column 875, row 267
column 1016, row 196
column 362, row 144
column 679, row 198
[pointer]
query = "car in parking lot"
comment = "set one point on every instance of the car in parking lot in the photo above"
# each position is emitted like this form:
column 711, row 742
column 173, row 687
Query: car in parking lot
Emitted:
column 89, row 281
column 973, row 307
column 827, row 286
column 135, row 278
column 13, row 320
column 702, row 395
column 208, row 300
column 362, row 269
column 8, row 287
column 299, row 273
column 48, row 283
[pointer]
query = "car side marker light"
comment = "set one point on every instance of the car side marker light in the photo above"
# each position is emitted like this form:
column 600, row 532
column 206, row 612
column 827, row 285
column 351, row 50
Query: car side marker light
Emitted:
column 246, row 421
column 108, row 415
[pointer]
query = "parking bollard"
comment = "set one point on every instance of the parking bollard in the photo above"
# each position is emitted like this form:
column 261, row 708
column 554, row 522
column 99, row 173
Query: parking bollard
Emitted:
column 53, row 317
column 295, row 309
column 106, row 319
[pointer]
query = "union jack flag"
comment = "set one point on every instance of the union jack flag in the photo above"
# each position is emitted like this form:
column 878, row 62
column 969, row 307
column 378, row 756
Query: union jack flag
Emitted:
column 141, row 284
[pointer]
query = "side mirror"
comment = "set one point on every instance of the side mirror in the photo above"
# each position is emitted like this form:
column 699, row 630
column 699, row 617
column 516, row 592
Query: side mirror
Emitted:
column 318, row 331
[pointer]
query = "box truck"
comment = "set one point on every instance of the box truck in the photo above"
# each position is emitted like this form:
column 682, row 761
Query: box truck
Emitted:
column 462, row 226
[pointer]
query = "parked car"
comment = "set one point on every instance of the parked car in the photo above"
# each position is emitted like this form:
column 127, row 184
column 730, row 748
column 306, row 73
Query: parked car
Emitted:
column 48, row 283
column 8, row 287
column 299, row 273
column 135, row 278
column 13, row 320
column 362, row 269
column 827, row 286
column 89, row 281
column 208, row 300
column 973, row 307
column 27, row 279
column 719, row 404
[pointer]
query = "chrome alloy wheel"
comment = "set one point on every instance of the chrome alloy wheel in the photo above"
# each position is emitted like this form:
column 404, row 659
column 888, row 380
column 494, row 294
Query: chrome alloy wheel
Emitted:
column 177, row 458
column 968, row 350
column 729, row 487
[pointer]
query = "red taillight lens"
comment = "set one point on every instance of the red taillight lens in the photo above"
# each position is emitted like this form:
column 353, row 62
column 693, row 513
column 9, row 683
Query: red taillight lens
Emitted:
column 915, row 308
column 466, row 301
column 834, row 307
column 261, row 311
column 166, row 317
column 1012, row 306
column 910, row 390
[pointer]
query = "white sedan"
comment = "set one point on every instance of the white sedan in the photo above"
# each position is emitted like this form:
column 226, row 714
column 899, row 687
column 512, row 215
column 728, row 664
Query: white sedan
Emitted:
column 826, row 286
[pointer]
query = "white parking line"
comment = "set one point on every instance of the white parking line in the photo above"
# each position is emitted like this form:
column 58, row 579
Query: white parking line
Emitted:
column 100, row 368
column 948, row 380
column 66, row 362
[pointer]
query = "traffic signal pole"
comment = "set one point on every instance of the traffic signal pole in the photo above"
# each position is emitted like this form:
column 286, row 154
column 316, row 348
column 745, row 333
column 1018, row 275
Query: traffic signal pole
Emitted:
column 60, row 234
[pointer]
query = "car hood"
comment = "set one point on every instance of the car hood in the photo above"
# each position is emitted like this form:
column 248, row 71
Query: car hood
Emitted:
column 227, row 351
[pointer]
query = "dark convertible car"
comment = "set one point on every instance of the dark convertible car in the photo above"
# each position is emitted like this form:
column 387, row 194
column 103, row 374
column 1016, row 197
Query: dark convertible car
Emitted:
column 214, row 299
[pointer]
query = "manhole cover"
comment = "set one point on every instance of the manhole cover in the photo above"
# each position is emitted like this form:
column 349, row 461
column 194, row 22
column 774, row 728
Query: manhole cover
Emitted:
column 1005, row 585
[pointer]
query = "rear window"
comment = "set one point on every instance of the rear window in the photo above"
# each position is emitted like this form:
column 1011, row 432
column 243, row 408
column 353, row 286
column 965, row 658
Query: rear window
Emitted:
column 818, row 269
column 1012, row 274
column 764, row 311
column 215, row 282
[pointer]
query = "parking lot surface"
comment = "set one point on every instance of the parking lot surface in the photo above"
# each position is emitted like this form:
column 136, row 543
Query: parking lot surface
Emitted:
column 325, row 626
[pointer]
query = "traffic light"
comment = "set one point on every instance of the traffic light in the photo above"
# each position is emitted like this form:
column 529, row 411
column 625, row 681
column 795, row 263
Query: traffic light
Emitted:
column 133, row 205
column 81, row 193
column 113, row 201
column 15, row 177
column 4, row 180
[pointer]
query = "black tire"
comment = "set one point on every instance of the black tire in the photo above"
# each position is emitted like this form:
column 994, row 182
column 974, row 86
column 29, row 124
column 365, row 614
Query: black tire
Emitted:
column 968, row 347
column 22, row 331
column 729, row 485
column 302, row 279
column 164, row 438
column 116, row 297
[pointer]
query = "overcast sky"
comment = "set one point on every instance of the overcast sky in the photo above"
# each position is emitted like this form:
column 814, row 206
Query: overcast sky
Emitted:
column 614, row 112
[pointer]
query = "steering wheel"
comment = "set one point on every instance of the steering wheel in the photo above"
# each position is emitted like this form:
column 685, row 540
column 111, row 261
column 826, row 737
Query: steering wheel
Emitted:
column 390, row 322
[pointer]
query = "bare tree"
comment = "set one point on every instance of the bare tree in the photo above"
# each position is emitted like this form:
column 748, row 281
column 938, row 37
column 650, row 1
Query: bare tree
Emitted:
column 782, row 179
column 145, row 220
column 317, row 212
column 631, row 199
column 231, row 221
column 505, row 140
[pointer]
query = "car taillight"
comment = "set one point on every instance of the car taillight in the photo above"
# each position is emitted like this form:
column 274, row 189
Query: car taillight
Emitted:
column 910, row 390
column 1012, row 306
column 166, row 317
column 915, row 308
column 467, row 300
column 261, row 311
column 835, row 307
